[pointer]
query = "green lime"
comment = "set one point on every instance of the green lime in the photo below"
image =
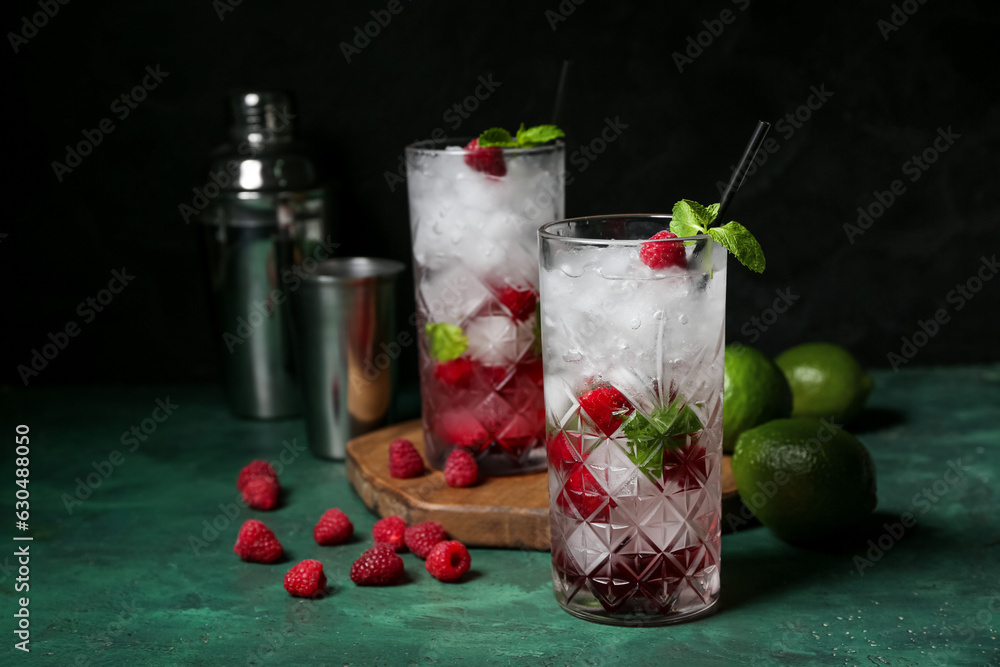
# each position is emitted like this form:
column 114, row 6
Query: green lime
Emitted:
column 804, row 478
column 826, row 381
column 754, row 391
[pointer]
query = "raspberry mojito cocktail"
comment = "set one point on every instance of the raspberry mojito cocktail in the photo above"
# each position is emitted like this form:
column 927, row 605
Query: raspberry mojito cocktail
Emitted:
column 474, row 216
column 633, row 331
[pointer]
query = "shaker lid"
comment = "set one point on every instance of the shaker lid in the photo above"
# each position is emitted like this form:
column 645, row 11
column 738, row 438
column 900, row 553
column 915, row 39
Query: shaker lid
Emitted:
column 268, row 114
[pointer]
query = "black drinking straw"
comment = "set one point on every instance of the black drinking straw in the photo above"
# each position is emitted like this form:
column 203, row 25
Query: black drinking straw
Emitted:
column 736, row 180
column 560, row 94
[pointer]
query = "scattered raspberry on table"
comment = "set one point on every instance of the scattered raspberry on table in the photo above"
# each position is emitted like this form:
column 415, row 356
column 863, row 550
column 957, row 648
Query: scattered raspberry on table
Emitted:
column 379, row 566
column 255, row 543
column 391, row 531
column 448, row 560
column 258, row 468
column 404, row 460
column 423, row 537
column 333, row 528
column 306, row 579
column 460, row 469
column 258, row 484
column 261, row 493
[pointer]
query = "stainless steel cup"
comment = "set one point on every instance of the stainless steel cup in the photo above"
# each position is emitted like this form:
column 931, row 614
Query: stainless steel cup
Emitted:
column 346, row 350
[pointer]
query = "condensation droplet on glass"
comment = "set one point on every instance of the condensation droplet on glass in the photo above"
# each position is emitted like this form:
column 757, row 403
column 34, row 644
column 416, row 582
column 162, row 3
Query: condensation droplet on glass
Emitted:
column 635, row 323
column 683, row 319
column 572, row 355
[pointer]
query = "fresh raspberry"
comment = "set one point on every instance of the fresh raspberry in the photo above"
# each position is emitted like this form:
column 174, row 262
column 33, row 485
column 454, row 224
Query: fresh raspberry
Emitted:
column 379, row 566
column 255, row 543
column 261, row 492
column 390, row 530
column 404, row 460
column 587, row 496
column 520, row 303
column 532, row 370
column 306, row 579
column 663, row 255
column 606, row 407
column 515, row 437
column 454, row 373
column 495, row 376
column 487, row 159
column 420, row 539
column 255, row 469
column 460, row 428
column 581, row 489
column 333, row 528
column 448, row 560
column 563, row 455
column 460, row 469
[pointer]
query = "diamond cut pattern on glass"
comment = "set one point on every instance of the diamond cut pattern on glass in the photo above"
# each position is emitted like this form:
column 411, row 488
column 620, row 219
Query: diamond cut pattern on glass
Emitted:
column 497, row 412
column 644, row 544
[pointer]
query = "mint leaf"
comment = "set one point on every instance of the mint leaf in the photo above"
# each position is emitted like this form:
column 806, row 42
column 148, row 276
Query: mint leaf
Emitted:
column 447, row 342
column 539, row 134
column 497, row 136
column 526, row 138
column 685, row 220
column 675, row 420
column 704, row 215
column 691, row 218
column 649, row 437
column 646, row 444
column 738, row 240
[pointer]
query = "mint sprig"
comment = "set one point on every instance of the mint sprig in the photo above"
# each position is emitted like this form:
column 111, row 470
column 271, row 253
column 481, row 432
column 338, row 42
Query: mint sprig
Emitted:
column 649, row 437
column 540, row 134
column 497, row 136
column 447, row 342
column 526, row 138
column 691, row 218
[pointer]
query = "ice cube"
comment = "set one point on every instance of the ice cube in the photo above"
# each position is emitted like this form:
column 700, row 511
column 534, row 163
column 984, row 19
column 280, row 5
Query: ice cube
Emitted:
column 635, row 385
column 451, row 295
column 618, row 262
column 496, row 340
column 560, row 402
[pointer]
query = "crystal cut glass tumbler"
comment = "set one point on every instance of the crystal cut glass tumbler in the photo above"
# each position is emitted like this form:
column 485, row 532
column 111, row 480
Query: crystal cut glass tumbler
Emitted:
column 633, row 379
column 474, row 226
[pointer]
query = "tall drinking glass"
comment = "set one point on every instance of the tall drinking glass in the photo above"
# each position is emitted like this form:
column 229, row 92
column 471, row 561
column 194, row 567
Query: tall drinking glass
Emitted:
column 633, row 361
column 474, row 230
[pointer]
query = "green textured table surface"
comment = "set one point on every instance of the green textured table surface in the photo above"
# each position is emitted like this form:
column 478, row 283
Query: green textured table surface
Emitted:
column 133, row 571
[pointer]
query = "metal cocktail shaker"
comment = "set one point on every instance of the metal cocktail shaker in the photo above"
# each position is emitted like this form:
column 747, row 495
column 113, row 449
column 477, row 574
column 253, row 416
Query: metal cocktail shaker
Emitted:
column 269, row 214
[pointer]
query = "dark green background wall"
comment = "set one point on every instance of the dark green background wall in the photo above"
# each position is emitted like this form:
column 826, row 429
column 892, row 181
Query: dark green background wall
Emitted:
column 891, row 91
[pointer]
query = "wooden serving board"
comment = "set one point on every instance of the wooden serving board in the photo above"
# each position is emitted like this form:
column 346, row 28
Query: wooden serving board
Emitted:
column 511, row 512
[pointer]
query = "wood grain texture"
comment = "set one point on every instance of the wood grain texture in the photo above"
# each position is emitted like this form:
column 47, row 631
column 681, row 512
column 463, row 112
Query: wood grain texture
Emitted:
column 511, row 512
